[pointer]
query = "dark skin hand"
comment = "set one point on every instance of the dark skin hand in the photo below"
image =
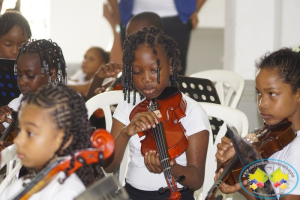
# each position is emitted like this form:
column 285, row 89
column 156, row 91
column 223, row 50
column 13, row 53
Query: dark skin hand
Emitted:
column 195, row 169
column 105, row 71
column 5, row 111
column 224, row 153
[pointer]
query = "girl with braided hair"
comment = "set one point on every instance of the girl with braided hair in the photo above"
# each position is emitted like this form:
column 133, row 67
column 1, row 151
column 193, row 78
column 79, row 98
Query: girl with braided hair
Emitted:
column 39, row 63
column 53, row 122
column 14, row 32
column 150, row 64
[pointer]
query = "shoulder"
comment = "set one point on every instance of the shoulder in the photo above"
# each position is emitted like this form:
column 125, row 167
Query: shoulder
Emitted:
column 15, row 103
column 70, row 189
column 196, row 119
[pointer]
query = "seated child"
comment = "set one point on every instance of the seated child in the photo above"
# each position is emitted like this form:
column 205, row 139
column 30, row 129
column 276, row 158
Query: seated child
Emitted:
column 278, row 98
column 151, row 63
column 93, row 59
column 107, row 73
column 14, row 32
column 39, row 63
column 52, row 123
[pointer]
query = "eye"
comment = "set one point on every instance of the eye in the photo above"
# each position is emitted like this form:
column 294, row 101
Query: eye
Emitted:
column 31, row 76
column 136, row 71
column 258, row 93
column 154, row 71
column 7, row 44
column 30, row 134
column 273, row 94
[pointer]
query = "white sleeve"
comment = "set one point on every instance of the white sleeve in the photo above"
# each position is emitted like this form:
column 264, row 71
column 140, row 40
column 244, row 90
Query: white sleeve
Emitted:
column 121, row 113
column 196, row 119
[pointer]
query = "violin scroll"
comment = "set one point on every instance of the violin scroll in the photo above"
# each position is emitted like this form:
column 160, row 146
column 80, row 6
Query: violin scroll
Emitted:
column 103, row 141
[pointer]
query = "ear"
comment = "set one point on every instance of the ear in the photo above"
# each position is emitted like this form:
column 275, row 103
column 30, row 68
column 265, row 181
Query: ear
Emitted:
column 170, row 66
column 53, row 74
column 59, row 140
column 298, row 95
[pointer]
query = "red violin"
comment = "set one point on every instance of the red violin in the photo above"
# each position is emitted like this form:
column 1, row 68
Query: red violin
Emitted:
column 168, row 138
column 102, row 141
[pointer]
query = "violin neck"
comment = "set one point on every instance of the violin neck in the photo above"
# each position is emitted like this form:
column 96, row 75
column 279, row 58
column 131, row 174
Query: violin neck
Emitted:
column 222, row 177
column 10, row 128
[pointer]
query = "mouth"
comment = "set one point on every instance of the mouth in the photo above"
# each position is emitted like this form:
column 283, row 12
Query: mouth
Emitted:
column 149, row 91
column 265, row 116
column 20, row 156
column 23, row 91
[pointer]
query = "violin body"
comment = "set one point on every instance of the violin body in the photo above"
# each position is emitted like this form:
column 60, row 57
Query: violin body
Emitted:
column 168, row 138
column 8, row 135
column 269, row 140
column 171, row 112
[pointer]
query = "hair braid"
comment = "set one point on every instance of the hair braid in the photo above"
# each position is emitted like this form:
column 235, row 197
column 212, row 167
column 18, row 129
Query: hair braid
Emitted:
column 151, row 37
column 70, row 114
column 51, row 57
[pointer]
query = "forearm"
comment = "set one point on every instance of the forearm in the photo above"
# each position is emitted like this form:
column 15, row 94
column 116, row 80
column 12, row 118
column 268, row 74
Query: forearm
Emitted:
column 115, row 8
column 199, row 4
column 193, row 177
column 121, row 141
column 97, row 82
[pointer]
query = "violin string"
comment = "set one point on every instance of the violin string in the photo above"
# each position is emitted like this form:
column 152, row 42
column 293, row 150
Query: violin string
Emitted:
column 228, row 167
column 163, row 142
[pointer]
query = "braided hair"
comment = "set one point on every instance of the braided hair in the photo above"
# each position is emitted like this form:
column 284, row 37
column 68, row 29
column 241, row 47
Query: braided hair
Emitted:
column 9, row 19
column 69, row 113
column 152, row 37
column 287, row 63
column 51, row 57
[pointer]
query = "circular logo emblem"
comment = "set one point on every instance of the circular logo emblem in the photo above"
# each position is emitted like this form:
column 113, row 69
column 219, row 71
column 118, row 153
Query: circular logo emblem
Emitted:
column 269, row 178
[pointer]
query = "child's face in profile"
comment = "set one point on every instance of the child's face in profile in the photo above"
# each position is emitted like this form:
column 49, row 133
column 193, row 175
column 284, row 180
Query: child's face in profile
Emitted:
column 92, row 61
column 38, row 138
column 144, row 68
column 275, row 98
column 29, row 73
column 11, row 42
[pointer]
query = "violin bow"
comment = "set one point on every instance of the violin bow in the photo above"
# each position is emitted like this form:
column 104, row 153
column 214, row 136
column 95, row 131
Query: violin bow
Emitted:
column 248, row 154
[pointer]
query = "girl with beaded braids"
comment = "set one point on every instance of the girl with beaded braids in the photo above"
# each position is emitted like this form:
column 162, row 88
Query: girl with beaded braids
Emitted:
column 39, row 63
column 150, row 64
column 52, row 122
column 14, row 32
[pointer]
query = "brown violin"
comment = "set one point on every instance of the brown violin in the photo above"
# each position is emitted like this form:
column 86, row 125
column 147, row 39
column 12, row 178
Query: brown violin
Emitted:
column 267, row 141
column 168, row 138
column 8, row 134
column 102, row 141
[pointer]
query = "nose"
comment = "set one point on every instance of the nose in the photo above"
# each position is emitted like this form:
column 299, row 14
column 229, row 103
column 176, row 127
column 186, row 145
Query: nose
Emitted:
column 21, row 80
column 14, row 51
column 147, row 77
column 19, row 140
column 262, row 102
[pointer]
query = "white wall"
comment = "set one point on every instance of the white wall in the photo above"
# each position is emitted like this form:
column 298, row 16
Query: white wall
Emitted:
column 76, row 25
column 253, row 27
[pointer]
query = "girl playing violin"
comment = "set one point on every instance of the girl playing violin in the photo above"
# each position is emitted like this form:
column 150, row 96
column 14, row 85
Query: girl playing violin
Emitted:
column 278, row 98
column 150, row 64
column 52, row 122
column 39, row 63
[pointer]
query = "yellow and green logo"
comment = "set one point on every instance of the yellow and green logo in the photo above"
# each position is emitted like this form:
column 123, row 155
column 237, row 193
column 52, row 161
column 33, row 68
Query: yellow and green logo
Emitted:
column 284, row 178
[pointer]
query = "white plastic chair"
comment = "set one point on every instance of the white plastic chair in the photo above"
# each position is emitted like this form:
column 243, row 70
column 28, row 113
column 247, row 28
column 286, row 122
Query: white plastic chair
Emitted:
column 104, row 101
column 231, row 116
column 228, row 84
column 13, row 165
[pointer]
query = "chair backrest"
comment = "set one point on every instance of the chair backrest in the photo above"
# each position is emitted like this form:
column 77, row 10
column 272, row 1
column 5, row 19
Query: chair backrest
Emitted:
column 231, row 116
column 104, row 101
column 229, row 85
column 13, row 165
